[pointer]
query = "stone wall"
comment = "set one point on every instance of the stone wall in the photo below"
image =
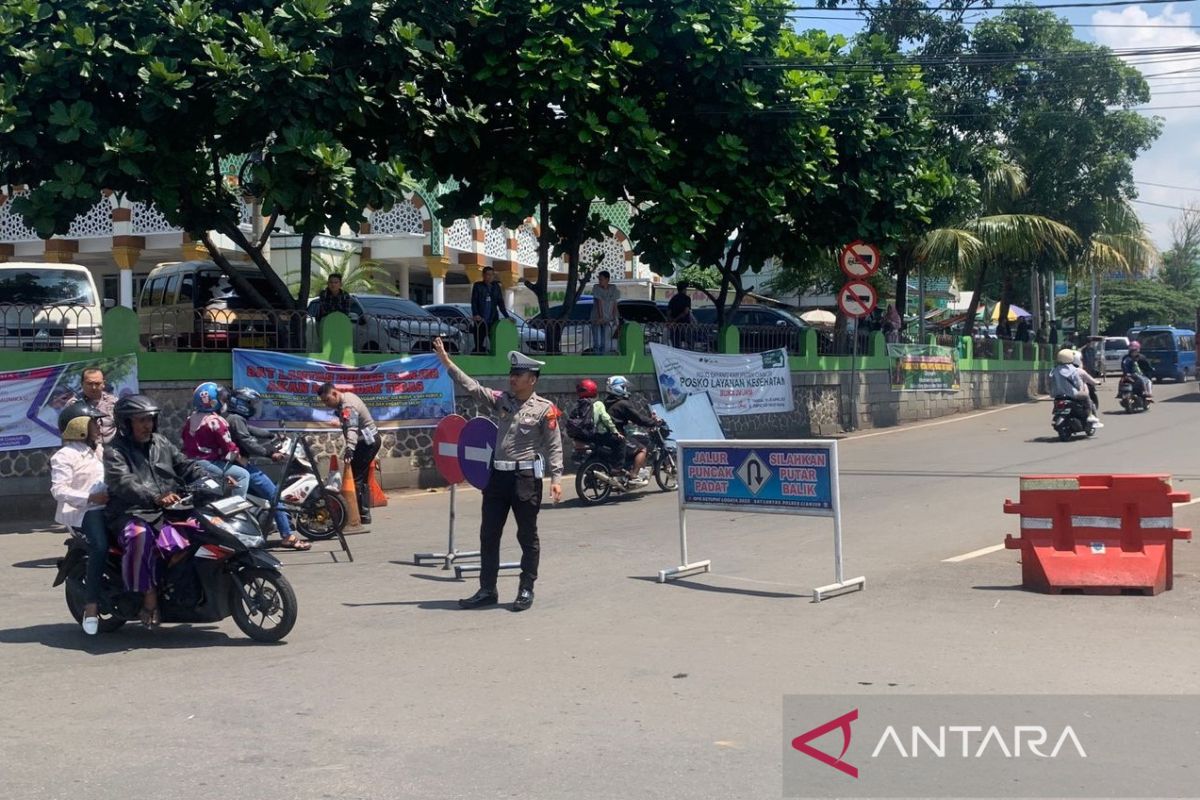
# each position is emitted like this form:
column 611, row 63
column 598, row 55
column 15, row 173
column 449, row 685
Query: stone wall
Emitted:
column 822, row 409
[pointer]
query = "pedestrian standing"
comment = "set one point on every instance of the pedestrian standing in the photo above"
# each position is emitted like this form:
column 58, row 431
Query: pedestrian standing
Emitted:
column 332, row 298
column 362, row 440
column 679, row 313
column 528, row 440
column 604, row 312
column 99, row 398
column 487, row 305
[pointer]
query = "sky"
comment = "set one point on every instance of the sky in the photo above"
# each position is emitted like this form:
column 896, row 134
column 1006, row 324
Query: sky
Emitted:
column 1174, row 159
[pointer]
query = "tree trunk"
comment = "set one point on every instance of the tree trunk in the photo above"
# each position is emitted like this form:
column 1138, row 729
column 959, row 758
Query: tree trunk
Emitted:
column 973, row 306
column 306, row 241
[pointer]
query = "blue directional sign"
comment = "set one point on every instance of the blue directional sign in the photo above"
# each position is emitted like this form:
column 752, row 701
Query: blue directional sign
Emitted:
column 768, row 477
column 475, row 446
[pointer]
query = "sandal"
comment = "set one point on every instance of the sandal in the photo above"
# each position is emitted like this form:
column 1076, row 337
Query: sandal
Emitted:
column 149, row 617
column 294, row 543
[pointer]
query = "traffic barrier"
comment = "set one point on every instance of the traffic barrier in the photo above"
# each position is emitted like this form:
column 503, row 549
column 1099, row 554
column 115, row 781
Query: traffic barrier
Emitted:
column 350, row 495
column 1097, row 533
column 378, row 498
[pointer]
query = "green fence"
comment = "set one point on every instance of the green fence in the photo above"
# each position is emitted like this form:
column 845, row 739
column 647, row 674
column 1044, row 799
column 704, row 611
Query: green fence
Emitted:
column 337, row 345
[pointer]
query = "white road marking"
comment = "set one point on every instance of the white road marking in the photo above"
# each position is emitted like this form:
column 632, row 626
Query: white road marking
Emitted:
column 955, row 418
column 983, row 551
column 1191, row 502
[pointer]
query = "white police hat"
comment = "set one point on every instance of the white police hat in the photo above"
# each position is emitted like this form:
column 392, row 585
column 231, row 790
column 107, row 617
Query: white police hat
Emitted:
column 519, row 362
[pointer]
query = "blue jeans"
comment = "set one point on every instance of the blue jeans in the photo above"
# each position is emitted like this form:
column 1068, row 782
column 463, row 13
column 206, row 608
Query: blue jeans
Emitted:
column 262, row 486
column 96, row 533
column 224, row 469
column 600, row 336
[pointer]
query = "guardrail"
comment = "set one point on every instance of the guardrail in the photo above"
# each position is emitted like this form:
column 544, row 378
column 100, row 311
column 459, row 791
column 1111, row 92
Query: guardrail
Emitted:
column 217, row 329
column 374, row 333
column 49, row 329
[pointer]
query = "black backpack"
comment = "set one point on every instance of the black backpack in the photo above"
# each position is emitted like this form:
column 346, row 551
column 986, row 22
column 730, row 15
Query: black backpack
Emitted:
column 581, row 421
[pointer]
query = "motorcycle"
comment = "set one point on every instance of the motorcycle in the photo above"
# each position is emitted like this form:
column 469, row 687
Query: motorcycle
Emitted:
column 1069, row 417
column 1132, row 401
column 317, row 507
column 224, row 572
column 599, row 475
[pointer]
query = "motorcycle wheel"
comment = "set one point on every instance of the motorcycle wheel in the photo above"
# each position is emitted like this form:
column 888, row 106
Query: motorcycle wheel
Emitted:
column 666, row 473
column 322, row 515
column 267, row 610
column 1090, row 430
column 76, row 601
column 590, row 484
column 1064, row 434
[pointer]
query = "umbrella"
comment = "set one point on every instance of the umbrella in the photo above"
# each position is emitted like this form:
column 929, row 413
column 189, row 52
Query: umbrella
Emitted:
column 1014, row 313
column 819, row 317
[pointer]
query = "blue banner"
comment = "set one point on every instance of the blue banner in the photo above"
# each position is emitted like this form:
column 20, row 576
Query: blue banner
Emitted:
column 771, row 477
column 412, row 392
column 32, row 399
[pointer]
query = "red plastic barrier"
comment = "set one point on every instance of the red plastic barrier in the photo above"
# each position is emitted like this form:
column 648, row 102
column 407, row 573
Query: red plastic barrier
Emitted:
column 1100, row 533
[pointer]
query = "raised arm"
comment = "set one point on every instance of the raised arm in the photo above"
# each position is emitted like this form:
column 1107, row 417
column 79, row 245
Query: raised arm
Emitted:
column 468, row 384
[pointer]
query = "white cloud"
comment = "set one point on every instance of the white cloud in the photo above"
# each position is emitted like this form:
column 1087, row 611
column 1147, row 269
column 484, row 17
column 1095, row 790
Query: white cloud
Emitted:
column 1174, row 158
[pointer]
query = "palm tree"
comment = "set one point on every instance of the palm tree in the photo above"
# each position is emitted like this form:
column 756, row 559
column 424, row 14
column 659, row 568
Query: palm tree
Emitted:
column 995, row 238
column 364, row 277
column 1121, row 243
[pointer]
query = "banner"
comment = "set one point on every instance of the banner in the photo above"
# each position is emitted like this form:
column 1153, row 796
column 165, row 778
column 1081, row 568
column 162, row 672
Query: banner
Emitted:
column 31, row 399
column 756, row 383
column 923, row 368
column 412, row 392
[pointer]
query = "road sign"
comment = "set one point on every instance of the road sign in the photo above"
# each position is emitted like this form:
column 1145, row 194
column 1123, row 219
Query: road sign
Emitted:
column 860, row 260
column 445, row 448
column 475, row 446
column 1060, row 287
column 857, row 299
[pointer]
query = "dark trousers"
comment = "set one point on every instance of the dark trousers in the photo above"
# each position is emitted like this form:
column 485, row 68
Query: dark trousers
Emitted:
column 482, row 329
column 96, row 533
column 523, row 495
column 360, row 465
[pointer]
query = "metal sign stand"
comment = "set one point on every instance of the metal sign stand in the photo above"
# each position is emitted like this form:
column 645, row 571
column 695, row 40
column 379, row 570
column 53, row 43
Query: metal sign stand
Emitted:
column 854, row 381
column 840, row 585
column 451, row 554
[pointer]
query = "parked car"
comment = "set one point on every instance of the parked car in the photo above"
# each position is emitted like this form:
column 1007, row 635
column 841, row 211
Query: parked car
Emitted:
column 192, row 305
column 759, row 328
column 1172, row 351
column 459, row 315
column 387, row 324
column 576, row 329
column 1113, row 349
column 49, row 307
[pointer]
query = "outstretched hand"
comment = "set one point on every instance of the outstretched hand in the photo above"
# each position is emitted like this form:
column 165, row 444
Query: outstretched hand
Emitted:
column 439, row 350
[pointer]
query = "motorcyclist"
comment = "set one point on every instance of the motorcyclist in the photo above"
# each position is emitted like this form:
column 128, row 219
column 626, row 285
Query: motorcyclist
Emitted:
column 607, row 436
column 624, row 411
column 1066, row 382
column 1090, row 382
column 206, row 438
column 144, row 474
column 1137, row 365
column 239, row 407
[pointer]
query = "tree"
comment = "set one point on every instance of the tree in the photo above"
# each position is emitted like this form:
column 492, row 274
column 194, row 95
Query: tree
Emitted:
column 330, row 99
column 359, row 276
column 1181, row 263
column 1124, row 304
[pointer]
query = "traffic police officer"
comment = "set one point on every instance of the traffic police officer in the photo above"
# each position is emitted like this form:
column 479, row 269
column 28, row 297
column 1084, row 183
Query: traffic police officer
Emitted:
column 528, row 427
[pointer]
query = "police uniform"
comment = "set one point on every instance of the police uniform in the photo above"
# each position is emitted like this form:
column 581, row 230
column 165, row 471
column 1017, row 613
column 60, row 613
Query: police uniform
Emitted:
column 362, row 445
column 527, row 430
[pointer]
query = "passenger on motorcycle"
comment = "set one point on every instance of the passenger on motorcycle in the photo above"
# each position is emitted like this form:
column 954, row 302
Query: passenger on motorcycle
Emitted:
column 77, row 483
column 1066, row 381
column 603, row 431
column 1137, row 365
column 239, row 407
column 1090, row 383
column 206, row 438
column 624, row 411
column 144, row 474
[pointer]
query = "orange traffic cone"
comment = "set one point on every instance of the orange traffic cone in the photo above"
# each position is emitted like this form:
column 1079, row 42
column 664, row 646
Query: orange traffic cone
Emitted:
column 350, row 495
column 378, row 498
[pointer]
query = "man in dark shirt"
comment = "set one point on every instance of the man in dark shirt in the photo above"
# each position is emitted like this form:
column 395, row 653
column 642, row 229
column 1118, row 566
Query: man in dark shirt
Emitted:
column 487, row 304
column 679, row 312
column 332, row 298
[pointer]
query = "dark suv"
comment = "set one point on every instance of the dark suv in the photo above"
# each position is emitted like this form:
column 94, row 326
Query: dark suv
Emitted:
column 576, row 331
column 759, row 328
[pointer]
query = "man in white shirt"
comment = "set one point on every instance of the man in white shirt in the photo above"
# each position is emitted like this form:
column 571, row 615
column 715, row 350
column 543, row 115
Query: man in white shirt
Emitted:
column 604, row 312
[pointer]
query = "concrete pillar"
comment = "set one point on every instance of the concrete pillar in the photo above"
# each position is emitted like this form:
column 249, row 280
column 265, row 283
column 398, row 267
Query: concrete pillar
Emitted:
column 509, row 275
column 404, row 280
column 438, row 267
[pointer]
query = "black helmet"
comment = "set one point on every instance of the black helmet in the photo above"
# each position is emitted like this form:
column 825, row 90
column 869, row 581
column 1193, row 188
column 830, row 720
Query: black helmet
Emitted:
column 81, row 414
column 129, row 407
column 244, row 403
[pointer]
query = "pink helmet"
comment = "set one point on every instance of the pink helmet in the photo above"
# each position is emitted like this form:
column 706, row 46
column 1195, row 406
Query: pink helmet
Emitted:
column 1135, row 347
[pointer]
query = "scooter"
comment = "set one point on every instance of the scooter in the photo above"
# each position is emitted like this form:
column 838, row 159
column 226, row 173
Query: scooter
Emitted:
column 315, row 505
column 225, row 572
column 1132, row 401
column 1069, row 417
column 598, row 477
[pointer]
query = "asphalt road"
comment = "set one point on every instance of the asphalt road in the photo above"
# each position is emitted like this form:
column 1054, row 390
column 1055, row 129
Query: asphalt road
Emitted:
column 612, row 686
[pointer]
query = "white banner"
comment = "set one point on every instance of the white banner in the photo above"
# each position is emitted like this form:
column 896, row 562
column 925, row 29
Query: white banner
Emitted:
column 31, row 399
column 756, row 383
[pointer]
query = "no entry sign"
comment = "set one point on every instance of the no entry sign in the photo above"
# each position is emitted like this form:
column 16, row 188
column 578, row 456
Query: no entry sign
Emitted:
column 857, row 299
column 859, row 260
column 445, row 448
column 475, row 446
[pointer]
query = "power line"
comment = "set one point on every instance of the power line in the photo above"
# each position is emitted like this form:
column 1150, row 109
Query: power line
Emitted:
column 1168, row 186
column 1161, row 205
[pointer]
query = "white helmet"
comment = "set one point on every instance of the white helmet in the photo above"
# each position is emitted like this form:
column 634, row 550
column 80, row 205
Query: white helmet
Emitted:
column 617, row 386
column 1078, row 359
column 1066, row 356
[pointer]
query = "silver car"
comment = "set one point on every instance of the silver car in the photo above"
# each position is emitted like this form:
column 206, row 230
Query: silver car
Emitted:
column 459, row 315
column 386, row 324
column 1112, row 350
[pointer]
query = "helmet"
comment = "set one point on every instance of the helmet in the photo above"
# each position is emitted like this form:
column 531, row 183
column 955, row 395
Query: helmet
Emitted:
column 617, row 386
column 243, row 402
column 1135, row 347
column 586, row 388
column 74, row 420
column 207, row 397
column 1066, row 356
column 1078, row 359
column 133, row 406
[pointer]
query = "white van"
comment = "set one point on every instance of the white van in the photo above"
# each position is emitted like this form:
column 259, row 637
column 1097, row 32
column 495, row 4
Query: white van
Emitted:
column 49, row 307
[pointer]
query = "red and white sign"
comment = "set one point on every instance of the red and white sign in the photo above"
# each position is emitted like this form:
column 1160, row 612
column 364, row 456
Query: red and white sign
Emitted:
column 857, row 299
column 445, row 447
column 860, row 260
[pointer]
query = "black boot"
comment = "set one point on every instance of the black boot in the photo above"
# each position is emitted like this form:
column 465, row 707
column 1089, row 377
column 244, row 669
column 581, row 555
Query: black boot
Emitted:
column 524, row 599
column 484, row 597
